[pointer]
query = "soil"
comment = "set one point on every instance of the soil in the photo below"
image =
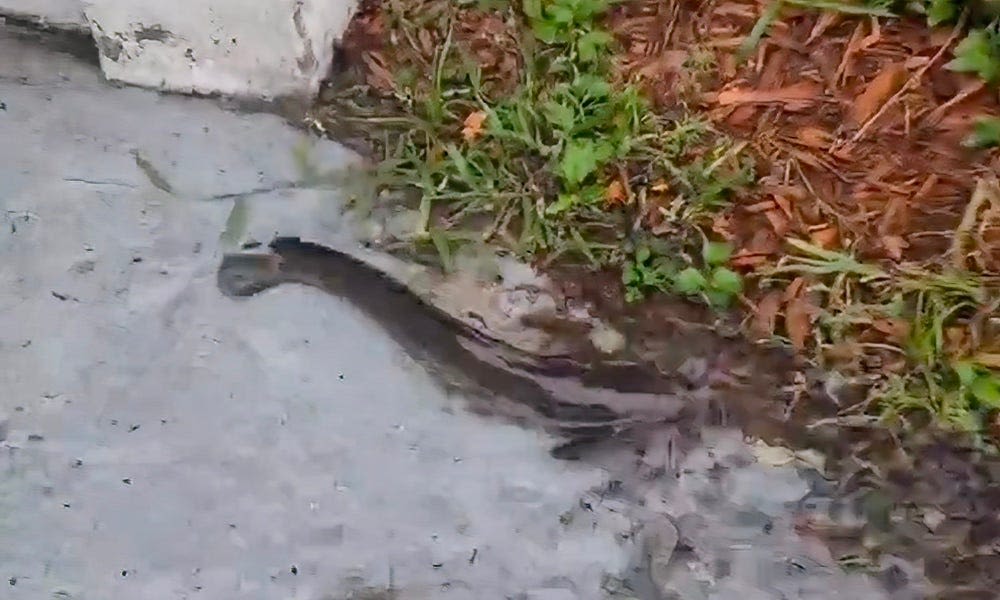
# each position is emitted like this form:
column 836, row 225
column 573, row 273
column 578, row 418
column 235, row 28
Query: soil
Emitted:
column 858, row 131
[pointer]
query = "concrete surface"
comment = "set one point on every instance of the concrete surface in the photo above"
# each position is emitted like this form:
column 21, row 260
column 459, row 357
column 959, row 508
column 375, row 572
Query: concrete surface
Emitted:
column 266, row 48
column 62, row 14
column 258, row 49
column 163, row 441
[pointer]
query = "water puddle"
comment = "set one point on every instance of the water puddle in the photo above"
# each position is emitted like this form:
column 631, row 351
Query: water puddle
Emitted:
column 717, row 511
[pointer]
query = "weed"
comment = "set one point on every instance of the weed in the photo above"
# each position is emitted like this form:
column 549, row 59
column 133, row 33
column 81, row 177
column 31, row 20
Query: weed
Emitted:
column 979, row 53
column 986, row 133
column 713, row 282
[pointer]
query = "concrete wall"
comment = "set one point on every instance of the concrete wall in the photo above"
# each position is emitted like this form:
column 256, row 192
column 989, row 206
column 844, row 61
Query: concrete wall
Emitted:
column 244, row 48
column 66, row 14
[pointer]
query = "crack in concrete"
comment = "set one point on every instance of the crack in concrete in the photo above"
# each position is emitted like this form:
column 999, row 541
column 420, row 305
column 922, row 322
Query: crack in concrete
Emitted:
column 110, row 182
column 154, row 176
column 281, row 185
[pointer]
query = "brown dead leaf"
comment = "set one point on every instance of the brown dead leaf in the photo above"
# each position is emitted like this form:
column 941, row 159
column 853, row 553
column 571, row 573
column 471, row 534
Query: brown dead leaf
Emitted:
column 615, row 193
column 744, row 259
column 378, row 76
column 896, row 329
column 778, row 221
column 798, row 95
column 828, row 237
column 798, row 320
column 987, row 359
column 793, row 289
column 878, row 90
column 814, row 137
column 894, row 246
column 766, row 314
column 474, row 125
column 957, row 340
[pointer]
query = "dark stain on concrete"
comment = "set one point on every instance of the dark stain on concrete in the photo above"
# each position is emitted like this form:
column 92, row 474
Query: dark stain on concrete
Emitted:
column 153, row 33
column 307, row 62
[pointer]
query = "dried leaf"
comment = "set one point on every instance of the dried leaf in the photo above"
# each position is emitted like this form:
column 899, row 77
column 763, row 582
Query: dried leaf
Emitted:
column 814, row 137
column 880, row 89
column 798, row 320
column 778, row 221
column 827, row 237
column 894, row 246
column 766, row 314
column 744, row 259
column 897, row 329
column 987, row 359
column 473, row 125
column 799, row 94
column 615, row 193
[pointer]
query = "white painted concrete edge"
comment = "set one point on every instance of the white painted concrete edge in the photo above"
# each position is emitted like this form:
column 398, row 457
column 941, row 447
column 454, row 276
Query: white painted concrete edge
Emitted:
column 260, row 49
column 59, row 14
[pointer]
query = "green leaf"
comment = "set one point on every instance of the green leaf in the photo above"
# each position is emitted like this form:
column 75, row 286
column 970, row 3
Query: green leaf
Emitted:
column 719, row 299
column 532, row 9
column 631, row 274
column 986, row 133
column 603, row 151
column 461, row 164
column 443, row 249
column 560, row 14
column 986, row 390
column 689, row 281
column 591, row 85
column 578, row 161
column 642, row 254
column 562, row 204
column 592, row 195
column 591, row 44
column 545, row 31
column 941, row 11
column 978, row 53
column 560, row 115
column 726, row 281
column 966, row 372
column 716, row 253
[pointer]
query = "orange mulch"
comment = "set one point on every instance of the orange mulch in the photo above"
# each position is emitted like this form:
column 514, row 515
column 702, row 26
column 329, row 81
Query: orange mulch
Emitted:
column 857, row 125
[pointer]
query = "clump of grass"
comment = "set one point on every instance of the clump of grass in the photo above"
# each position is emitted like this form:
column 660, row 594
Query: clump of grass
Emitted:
column 567, row 164
column 943, row 371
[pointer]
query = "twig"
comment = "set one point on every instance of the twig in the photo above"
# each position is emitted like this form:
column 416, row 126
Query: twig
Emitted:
column 984, row 190
column 915, row 79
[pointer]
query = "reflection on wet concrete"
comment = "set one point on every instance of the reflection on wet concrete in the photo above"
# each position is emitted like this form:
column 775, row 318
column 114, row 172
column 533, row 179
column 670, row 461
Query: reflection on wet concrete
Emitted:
column 710, row 516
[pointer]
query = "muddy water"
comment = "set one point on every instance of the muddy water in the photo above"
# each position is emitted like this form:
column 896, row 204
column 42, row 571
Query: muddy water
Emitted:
column 712, row 515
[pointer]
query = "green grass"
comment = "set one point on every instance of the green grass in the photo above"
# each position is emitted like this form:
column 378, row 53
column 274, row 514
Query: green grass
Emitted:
column 560, row 166
column 941, row 380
